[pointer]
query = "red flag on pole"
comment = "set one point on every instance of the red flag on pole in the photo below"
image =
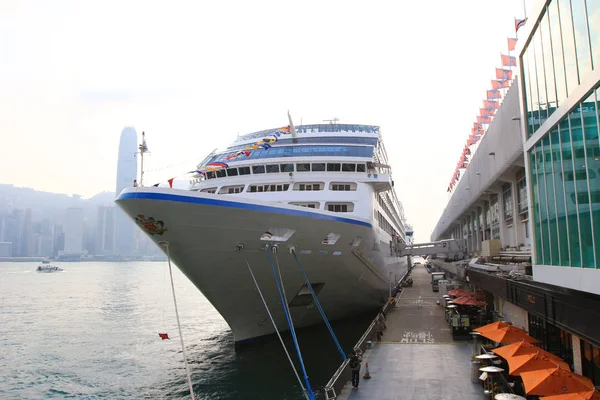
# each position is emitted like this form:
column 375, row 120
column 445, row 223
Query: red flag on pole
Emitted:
column 508, row 61
column 171, row 182
column 164, row 336
column 519, row 23
column 503, row 74
column 512, row 44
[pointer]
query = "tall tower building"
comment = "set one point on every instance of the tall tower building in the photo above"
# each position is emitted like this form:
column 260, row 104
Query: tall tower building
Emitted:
column 105, row 230
column 74, row 231
column 126, row 174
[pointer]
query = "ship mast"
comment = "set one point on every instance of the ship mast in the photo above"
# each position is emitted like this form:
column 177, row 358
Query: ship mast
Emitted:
column 143, row 149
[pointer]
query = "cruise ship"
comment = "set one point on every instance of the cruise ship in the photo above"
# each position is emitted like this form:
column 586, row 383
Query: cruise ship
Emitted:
column 317, row 200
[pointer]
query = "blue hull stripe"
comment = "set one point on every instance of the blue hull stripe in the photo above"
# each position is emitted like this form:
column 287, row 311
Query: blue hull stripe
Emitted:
column 231, row 204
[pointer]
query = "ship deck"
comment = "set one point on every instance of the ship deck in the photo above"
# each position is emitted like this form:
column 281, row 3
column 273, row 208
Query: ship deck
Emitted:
column 417, row 358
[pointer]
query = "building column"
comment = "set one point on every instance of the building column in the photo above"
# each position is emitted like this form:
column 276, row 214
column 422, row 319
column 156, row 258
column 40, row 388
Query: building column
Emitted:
column 518, row 233
column 474, row 231
column 502, row 222
column 483, row 213
column 576, row 354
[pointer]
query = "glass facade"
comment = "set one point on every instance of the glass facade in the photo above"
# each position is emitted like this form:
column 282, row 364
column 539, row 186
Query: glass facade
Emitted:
column 564, row 164
column 590, row 361
column 303, row 151
column 564, row 49
column 565, row 182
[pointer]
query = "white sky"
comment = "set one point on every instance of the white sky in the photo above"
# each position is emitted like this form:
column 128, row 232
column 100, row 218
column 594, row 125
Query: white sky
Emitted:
column 194, row 74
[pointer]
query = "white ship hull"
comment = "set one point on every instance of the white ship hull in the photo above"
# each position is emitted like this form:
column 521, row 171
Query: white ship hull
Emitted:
column 204, row 229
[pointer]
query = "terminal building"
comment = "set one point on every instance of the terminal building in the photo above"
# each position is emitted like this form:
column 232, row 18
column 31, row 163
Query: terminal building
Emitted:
column 532, row 189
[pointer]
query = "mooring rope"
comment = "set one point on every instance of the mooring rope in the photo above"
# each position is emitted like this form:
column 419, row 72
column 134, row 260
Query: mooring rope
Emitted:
column 187, row 368
column 290, row 325
column 277, row 331
column 293, row 330
column 293, row 251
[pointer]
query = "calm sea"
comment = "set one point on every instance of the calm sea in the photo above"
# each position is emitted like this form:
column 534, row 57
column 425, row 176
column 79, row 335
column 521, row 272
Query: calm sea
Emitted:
column 91, row 332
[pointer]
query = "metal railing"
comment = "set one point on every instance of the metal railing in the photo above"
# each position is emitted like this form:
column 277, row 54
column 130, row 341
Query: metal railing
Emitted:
column 343, row 375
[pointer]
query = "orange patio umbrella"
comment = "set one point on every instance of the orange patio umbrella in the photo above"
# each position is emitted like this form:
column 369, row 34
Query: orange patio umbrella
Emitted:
column 590, row 395
column 510, row 334
column 460, row 293
column 554, row 381
column 522, row 348
column 468, row 301
column 492, row 327
column 533, row 362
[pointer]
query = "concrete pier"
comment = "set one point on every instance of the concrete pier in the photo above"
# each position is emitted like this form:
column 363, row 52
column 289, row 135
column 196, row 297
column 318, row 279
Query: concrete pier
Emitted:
column 417, row 358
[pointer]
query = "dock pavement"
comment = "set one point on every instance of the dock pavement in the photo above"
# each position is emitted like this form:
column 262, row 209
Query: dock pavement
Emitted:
column 417, row 358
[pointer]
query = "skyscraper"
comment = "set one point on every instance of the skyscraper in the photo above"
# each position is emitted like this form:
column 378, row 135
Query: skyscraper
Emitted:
column 105, row 230
column 74, row 231
column 126, row 173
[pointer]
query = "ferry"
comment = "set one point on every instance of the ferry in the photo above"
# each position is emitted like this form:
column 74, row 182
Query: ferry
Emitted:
column 314, row 202
column 47, row 267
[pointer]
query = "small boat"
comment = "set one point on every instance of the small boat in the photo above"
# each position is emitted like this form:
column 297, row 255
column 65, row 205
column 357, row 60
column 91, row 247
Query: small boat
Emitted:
column 47, row 267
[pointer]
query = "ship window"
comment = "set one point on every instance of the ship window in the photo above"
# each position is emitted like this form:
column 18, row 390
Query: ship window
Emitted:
column 307, row 205
column 340, row 207
column 272, row 168
column 258, row 169
column 343, row 186
column 361, row 168
column 318, row 167
column 209, row 190
column 309, row 186
column 232, row 172
column 349, row 167
column 210, row 175
column 286, row 167
column 334, row 167
column 220, row 173
column 304, row 167
column 280, row 187
column 244, row 170
column 231, row 189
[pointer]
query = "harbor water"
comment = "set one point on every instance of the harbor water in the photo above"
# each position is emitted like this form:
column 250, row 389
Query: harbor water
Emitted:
column 91, row 332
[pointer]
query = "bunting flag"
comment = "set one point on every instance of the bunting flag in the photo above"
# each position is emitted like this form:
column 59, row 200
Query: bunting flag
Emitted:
column 493, row 94
column 519, row 23
column 490, row 105
column 467, row 151
column 498, row 84
column 171, row 182
column 512, row 44
column 156, row 184
column 503, row 74
column 265, row 143
column 484, row 120
column 485, row 113
column 508, row 61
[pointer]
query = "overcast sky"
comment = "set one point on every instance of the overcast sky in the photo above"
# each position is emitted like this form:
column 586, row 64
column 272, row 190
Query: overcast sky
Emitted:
column 193, row 75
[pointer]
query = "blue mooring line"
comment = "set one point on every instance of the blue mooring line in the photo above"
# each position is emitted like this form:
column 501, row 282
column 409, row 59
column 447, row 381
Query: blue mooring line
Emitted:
column 308, row 388
column 320, row 308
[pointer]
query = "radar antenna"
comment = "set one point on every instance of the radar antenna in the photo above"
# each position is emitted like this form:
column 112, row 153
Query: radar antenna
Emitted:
column 332, row 121
column 143, row 149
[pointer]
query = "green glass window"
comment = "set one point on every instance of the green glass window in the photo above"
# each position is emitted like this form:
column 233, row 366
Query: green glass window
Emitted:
column 593, row 12
column 550, row 196
column 569, row 182
column 548, row 65
column 557, row 52
column 561, row 207
column 528, row 95
column 581, row 194
column 568, row 41
column 541, row 76
column 535, row 222
column 544, row 217
column 582, row 40
column 593, row 153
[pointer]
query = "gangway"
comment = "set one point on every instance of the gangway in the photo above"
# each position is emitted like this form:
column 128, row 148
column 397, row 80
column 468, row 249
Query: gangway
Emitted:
column 449, row 248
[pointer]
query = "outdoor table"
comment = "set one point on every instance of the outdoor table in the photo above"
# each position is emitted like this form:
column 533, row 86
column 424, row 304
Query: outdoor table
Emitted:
column 486, row 357
column 508, row 396
column 491, row 370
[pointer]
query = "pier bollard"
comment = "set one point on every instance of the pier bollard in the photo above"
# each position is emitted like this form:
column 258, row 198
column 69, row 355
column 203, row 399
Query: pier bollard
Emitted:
column 367, row 375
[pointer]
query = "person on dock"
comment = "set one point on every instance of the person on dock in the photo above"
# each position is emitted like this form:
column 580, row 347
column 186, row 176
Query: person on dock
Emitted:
column 380, row 326
column 355, row 361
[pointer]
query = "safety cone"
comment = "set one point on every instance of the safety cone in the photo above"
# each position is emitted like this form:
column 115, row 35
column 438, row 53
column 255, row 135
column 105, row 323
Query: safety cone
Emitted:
column 367, row 375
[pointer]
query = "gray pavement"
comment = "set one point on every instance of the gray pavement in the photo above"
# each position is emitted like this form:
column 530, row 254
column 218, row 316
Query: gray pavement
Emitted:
column 417, row 358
